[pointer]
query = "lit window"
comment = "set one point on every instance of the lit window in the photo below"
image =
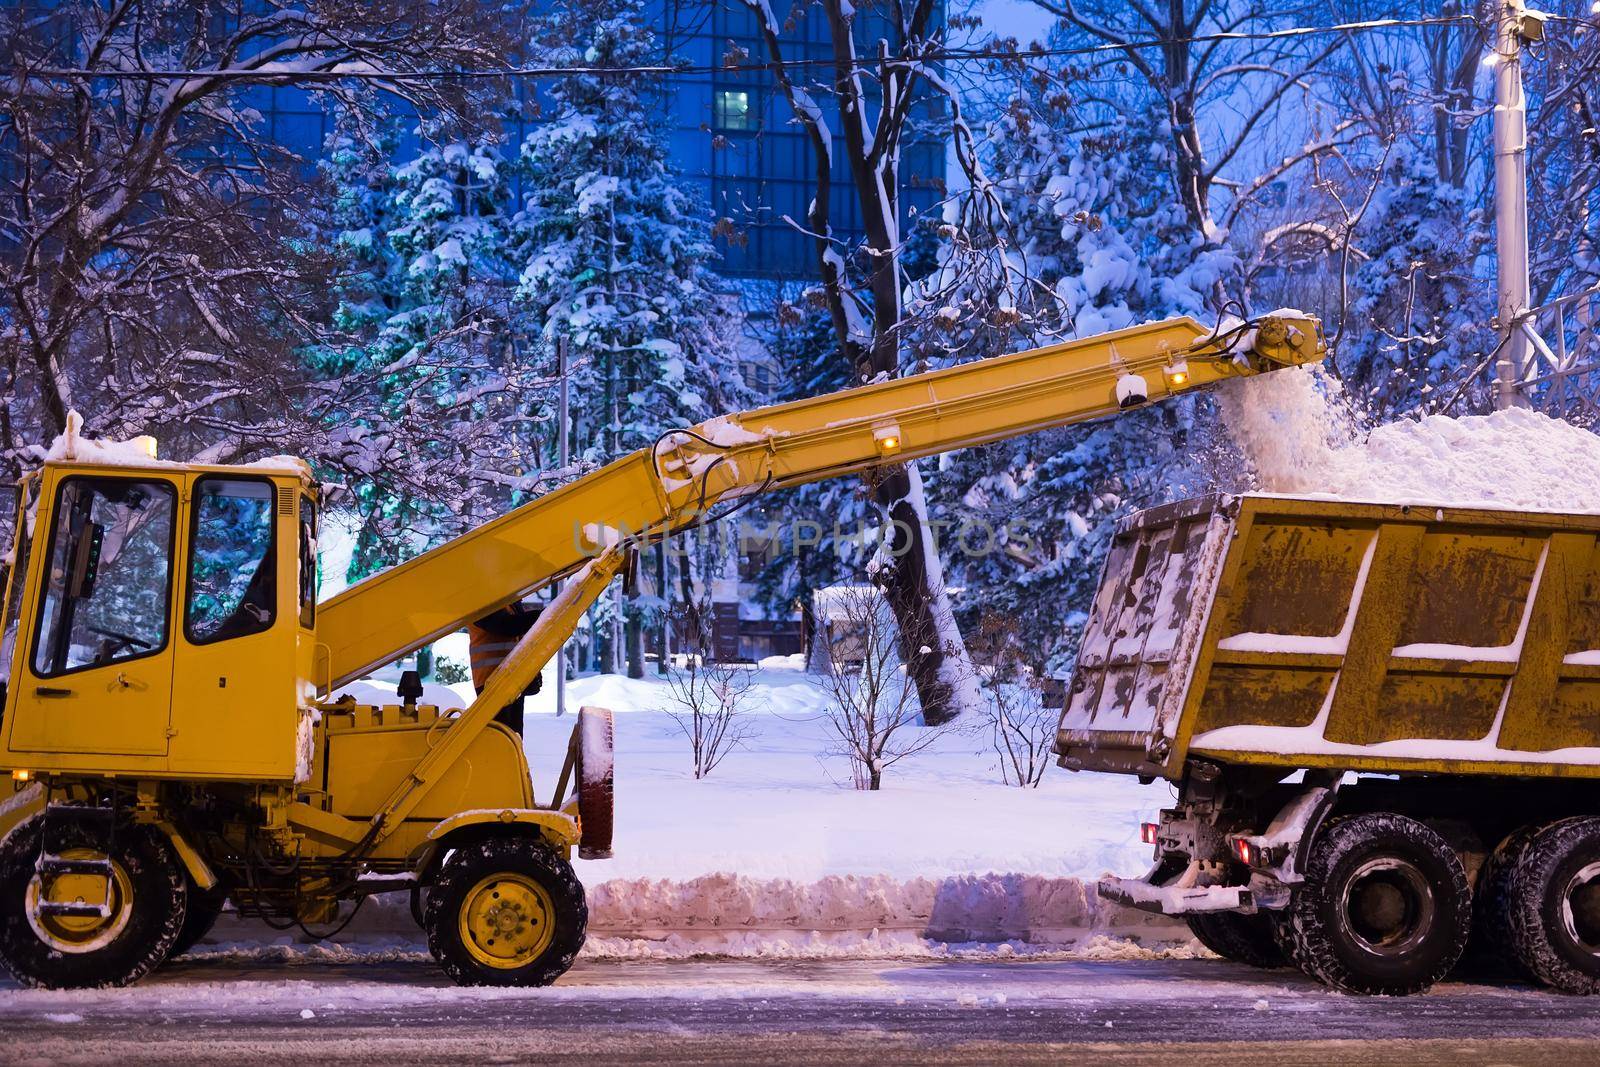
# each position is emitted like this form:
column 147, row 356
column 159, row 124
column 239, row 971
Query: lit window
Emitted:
column 732, row 110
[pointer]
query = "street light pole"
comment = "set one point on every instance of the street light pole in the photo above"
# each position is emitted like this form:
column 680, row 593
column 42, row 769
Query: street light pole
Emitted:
column 563, row 446
column 1517, row 26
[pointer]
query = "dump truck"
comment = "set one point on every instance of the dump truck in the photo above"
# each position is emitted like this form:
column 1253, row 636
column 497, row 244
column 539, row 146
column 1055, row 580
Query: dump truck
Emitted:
column 171, row 721
column 1383, row 722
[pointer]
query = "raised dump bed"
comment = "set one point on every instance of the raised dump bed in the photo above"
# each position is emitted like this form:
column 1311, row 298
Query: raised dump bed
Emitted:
column 1264, row 629
column 1384, row 725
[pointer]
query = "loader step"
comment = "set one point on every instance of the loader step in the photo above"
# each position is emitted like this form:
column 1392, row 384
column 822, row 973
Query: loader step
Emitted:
column 74, row 910
column 57, row 865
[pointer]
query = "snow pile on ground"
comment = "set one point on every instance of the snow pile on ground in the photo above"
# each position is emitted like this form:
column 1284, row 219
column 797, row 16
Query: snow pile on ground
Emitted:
column 1298, row 433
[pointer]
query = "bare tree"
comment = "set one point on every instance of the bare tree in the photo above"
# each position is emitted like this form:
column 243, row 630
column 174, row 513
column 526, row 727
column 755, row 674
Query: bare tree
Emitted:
column 710, row 698
column 872, row 709
column 1020, row 721
column 873, row 101
column 155, row 268
column 1192, row 57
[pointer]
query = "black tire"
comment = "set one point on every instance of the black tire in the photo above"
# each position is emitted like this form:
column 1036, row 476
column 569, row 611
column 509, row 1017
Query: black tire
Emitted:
column 1385, row 907
column 1489, row 953
column 596, row 782
column 1247, row 939
column 1553, row 906
column 205, row 908
column 539, row 938
column 138, row 938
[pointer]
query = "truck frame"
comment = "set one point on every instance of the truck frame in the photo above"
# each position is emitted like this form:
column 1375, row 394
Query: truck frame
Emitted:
column 169, row 716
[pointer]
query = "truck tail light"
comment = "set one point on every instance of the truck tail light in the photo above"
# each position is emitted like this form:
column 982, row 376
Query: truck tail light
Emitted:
column 1248, row 854
column 1148, row 832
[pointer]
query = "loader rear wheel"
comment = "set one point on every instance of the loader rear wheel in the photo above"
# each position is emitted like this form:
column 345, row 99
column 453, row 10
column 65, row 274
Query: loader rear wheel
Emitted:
column 145, row 900
column 1385, row 907
column 1247, row 939
column 205, row 908
column 505, row 911
column 1553, row 906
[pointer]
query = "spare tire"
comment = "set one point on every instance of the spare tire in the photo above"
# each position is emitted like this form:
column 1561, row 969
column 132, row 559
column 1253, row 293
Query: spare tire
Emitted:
column 595, row 769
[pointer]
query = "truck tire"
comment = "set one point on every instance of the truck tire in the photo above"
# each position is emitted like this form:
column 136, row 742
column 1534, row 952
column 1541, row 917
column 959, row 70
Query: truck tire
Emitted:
column 1385, row 907
column 149, row 897
column 1553, row 906
column 1247, row 939
column 505, row 911
column 205, row 908
column 1489, row 949
column 596, row 775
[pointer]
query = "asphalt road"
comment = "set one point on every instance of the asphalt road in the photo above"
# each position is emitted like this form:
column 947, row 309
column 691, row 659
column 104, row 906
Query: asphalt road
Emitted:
column 401, row 1010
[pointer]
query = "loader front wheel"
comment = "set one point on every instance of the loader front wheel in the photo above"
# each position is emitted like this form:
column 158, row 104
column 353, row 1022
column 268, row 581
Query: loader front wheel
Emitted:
column 126, row 920
column 1385, row 907
column 505, row 911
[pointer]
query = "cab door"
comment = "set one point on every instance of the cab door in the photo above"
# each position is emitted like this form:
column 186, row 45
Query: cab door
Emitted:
column 98, row 677
column 234, row 711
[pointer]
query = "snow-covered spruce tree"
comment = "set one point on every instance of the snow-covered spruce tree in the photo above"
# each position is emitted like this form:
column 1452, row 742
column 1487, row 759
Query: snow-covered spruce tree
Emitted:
column 1083, row 235
column 441, row 430
column 614, row 250
column 1414, row 319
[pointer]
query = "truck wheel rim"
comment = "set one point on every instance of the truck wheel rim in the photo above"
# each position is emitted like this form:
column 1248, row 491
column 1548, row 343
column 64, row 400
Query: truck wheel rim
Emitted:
column 1580, row 908
column 1388, row 906
column 79, row 934
column 507, row 921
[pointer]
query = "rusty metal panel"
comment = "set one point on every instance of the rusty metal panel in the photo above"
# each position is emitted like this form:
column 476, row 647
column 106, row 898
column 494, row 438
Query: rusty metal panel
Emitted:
column 1333, row 634
column 1142, row 636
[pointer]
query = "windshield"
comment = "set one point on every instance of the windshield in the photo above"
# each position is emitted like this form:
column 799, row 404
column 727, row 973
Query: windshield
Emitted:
column 107, row 587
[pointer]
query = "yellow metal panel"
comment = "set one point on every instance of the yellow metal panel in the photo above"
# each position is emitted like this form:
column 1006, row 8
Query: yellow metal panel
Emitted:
column 1275, row 696
column 235, row 710
column 366, row 765
column 1385, row 601
column 1526, row 723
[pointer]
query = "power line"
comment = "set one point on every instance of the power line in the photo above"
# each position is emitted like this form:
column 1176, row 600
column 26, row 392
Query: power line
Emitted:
column 363, row 72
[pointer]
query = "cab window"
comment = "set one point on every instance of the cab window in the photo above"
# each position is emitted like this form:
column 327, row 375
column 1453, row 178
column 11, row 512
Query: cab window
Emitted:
column 232, row 572
column 109, row 579
column 309, row 576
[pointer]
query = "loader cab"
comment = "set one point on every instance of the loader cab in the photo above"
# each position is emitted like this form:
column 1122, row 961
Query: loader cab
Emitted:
column 160, row 620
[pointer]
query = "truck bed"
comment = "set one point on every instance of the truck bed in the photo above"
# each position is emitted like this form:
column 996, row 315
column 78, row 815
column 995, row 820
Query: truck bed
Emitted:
column 1301, row 632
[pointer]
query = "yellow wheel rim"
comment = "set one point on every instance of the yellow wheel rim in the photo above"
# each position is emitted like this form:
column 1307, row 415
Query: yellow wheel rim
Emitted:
column 507, row 921
column 77, row 934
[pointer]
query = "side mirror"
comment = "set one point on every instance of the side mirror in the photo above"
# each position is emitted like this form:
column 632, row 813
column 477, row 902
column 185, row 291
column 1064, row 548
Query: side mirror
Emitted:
column 85, row 562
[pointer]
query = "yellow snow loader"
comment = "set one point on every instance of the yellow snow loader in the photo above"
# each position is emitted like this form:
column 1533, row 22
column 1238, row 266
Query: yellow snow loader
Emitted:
column 170, row 720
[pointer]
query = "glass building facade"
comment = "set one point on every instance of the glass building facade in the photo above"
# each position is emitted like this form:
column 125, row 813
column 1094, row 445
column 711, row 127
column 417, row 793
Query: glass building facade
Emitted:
column 731, row 133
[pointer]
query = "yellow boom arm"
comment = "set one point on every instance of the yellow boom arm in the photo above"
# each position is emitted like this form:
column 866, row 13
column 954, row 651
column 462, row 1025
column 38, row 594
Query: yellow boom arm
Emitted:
column 654, row 491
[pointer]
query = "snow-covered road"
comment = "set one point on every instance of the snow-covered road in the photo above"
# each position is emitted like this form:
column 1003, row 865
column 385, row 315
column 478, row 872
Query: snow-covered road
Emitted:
column 970, row 1010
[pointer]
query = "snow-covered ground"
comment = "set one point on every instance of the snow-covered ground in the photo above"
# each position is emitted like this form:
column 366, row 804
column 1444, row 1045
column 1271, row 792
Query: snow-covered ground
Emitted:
column 780, row 807
column 775, row 853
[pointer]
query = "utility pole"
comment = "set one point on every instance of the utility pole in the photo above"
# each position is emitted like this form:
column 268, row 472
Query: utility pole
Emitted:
column 1517, row 26
column 563, row 448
